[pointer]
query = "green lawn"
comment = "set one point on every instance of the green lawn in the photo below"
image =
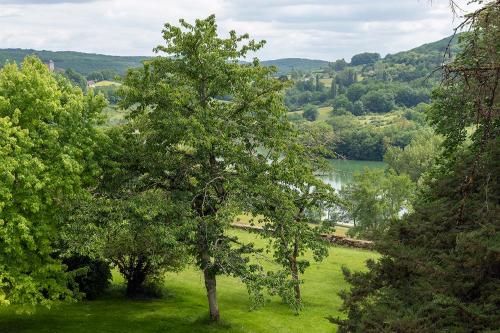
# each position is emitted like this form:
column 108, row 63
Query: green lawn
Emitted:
column 184, row 308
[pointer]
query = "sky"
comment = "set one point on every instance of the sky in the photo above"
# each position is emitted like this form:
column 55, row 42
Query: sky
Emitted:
column 316, row 29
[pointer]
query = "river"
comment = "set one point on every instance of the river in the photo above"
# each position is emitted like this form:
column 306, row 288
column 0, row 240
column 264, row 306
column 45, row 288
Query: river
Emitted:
column 343, row 171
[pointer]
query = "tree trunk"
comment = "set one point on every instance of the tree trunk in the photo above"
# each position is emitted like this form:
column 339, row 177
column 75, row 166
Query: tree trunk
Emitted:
column 295, row 271
column 135, row 284
column 295, row 278
column 136, row 277
column 211, row 285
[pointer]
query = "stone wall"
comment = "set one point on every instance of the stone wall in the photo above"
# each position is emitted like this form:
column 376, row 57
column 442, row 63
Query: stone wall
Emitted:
column 331, row 238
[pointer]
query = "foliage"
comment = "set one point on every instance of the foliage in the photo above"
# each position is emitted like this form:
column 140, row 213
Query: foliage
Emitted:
column 365, row 58
column 416, row 158
column 287, row 65
column 342, row 102
column 110, row 92
column 76, row 78
column 137, row 233
column 346, row 77
column 290, row 199
column 137, row 229
column 47, row 142
column 310, row 112
column 103, row 74
column 205, row 149
column 439, row 269
column 375, row 200
column 378, row 101
column 96, row 277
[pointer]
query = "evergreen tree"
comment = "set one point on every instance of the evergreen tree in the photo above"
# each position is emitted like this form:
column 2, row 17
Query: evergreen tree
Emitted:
column 440, row 266
column 333, row 89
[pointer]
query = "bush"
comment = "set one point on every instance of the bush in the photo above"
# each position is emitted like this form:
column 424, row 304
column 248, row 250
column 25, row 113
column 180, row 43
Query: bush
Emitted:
column 97, row 277
column 310, row 112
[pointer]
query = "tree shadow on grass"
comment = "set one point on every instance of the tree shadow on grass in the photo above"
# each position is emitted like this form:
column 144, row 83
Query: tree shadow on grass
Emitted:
column 116, row 314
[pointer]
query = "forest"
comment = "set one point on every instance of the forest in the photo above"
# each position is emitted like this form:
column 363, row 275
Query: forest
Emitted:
column 203, row 190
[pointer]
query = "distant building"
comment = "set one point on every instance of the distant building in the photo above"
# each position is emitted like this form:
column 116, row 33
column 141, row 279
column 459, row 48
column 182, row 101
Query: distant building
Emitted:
column 51, row 66
column 91, row 83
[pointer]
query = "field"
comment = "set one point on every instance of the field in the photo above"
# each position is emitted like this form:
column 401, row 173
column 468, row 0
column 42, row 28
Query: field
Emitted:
column 184, row 309
column 379, row 120
column 107, row 83
column 323, row 113
column 326, row 81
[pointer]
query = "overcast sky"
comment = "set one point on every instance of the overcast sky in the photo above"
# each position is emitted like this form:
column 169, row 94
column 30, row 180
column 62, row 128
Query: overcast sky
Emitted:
column 319, row 29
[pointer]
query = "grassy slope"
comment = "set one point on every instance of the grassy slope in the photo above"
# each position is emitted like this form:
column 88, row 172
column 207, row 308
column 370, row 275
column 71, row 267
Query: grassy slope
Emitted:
column 107, row 83
column 184, row 309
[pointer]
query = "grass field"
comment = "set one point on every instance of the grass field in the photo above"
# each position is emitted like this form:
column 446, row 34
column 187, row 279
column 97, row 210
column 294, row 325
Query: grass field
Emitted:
column 323, row 113
column 326, row 81
column 184, row 308
column 380, row 120
column 106, row 83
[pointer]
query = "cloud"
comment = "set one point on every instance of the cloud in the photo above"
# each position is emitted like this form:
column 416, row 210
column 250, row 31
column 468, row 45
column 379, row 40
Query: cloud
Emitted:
column 41, row 2
column 324, row 29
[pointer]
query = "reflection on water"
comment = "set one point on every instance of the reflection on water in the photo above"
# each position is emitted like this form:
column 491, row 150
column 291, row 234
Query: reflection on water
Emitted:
column 343, row 171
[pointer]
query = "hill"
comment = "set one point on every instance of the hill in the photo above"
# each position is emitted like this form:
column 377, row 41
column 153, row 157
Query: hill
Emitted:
column 84, row 63
column 430, row 54
column 286, row 65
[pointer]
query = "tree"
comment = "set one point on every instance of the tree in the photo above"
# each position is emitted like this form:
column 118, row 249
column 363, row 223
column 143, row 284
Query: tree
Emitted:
column 375, row 200
column 439, row 269
column 290, row 200
column 342, row 102
column 138, row 233
column 346, row 77
column 202, row 149
column 410, row 97
column 378, row 101
column 333, row 89
column 76, row 78
column 47, row 139
column 310, row 112
column 366, row 58
column 416, row 158
column 338, row 65
column 358, row 108
column 355, row 91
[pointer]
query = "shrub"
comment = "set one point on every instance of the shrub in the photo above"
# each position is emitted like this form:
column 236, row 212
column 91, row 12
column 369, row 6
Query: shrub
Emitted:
column 95, row 280
column 310, row 112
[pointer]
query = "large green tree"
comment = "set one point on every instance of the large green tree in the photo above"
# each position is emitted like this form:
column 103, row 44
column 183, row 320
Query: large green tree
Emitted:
column 135, row 228
column 440, row 266
column 47, row 139
column 206, row 116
